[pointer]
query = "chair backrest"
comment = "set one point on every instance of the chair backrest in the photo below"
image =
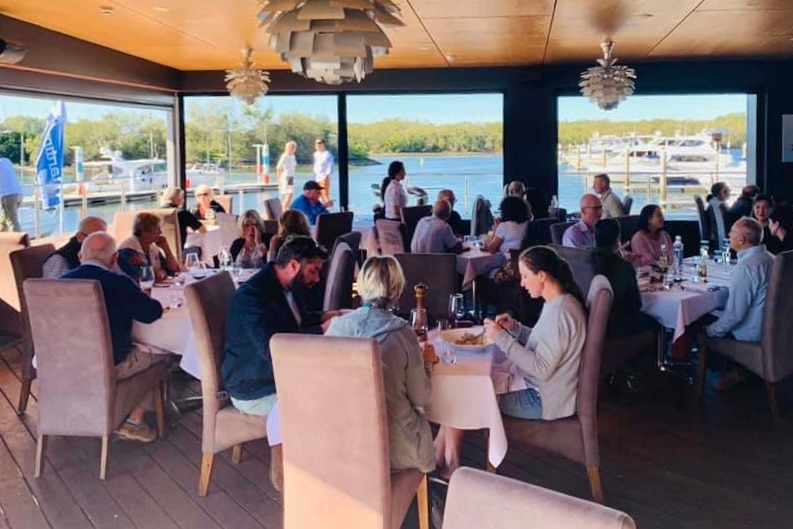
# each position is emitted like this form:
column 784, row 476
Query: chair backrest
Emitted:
column 481, row 217
column 777, row 340
column 227, row 224
column 332, row 225
column 412, row 215
column 270, row 227
column 122, row 225
column 599, row 301
column 9, row 242
column 538, row 231
column 718, row 226
column 338, row 290
column 629, row 225
column 389, row 236
column 27, row 264
column 332, row 478
column 272, row 209
column 580, row 261
column 436, row 270
column 170, row 229
column 480, row 499
column 558, row 229
column 208, row 303
column 227, row 201
column 627, row 204
column 704, row 220
column 689, row 231
column 353, row 240
column 74, row 353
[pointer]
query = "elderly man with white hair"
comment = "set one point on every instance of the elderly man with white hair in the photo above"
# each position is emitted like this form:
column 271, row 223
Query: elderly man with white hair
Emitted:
column 67, row 257
column 433, row 234
column 125, row 302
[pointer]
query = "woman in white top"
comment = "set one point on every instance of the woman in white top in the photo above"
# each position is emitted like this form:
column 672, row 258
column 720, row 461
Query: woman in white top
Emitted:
column 285, row 169
column 511, row 229
column 395, row 197
column 547, row 356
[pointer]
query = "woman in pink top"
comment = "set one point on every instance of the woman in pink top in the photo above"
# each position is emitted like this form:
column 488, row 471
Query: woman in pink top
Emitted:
column 651, row 241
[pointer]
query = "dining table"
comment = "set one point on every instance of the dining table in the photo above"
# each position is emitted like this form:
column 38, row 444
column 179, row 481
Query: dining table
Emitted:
column 475, row 262
column 209, row 241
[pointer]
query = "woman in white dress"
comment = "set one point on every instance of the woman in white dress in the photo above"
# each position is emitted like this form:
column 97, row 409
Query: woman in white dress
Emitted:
column 285, row 170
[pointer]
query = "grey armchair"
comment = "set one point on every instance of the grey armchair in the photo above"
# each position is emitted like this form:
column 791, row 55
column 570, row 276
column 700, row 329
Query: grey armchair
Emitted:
column 557, row 231
column 341, row 272
column 770, row 358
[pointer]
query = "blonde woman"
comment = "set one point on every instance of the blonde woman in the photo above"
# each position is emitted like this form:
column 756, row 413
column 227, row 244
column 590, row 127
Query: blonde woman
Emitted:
column 249, row 251
column 285, row 170
column 407, row 385
column 292, row 222
column 206, row 207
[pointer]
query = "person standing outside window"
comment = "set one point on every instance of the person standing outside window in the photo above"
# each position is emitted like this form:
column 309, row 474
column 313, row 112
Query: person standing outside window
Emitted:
column 10, row 197
column 285, row 169
column 323, row 167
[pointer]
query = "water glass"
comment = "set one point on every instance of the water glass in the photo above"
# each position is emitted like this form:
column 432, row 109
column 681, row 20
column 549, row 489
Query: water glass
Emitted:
column 146, row 278
column 418, row 322
column 456, row 309
column 224, row 258
column 726, row 256
column 447, row 355
column 176, row 300
column 704, row 244
column 179, row 280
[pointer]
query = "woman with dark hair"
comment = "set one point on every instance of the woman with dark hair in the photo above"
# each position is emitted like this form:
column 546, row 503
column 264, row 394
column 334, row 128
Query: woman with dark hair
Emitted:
column 393, row 194
column 546, row 356
column 291, row 222
column 718, row 213
column 651, row 241
column 511, row 229
column 780, row 225
column 761, row 208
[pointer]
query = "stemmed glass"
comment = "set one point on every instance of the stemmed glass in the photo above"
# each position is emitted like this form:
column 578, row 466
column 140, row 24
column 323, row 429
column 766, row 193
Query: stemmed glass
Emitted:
column 456, row 309
column 418, row 322
column 146, row 278
column 224, row 258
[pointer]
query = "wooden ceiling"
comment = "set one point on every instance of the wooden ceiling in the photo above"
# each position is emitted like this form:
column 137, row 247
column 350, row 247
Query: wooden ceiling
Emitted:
column 209, row 34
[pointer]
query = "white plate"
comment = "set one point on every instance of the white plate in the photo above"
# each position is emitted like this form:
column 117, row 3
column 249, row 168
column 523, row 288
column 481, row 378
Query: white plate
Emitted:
column 452, row 335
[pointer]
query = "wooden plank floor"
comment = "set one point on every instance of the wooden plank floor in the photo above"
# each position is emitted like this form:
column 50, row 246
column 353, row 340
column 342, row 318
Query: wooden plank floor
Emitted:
column 666, row 460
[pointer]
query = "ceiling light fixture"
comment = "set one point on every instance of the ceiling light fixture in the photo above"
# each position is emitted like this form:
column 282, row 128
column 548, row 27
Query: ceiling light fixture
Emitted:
column 247, row 82
column 330, row 41
column 607, row 84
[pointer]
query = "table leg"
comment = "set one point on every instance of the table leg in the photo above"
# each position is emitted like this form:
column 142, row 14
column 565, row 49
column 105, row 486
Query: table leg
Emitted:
column 665, row 366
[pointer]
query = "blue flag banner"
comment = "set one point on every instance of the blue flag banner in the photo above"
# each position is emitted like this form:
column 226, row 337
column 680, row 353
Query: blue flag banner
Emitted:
column 49, row 163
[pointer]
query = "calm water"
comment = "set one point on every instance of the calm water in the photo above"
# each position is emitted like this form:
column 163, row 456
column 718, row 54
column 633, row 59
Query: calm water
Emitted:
column 467, row 175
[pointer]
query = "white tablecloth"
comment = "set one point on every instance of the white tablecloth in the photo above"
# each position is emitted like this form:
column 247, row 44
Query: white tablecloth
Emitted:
column 209, row 242
column 475, row 262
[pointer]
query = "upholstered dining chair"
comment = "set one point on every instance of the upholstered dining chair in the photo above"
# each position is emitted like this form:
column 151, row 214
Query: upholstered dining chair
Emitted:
column 581, row 263
column 436, row 270
column 79, row 394
column 389, row 236
column 121, row 227
column 335, row 437
column 629, row 225
column 704, row 219
column 353, row 240
column 27, row 264
column 272, row 209
column 576, row 437
column 770, row 358
column 338, row 289
column 479, row 499
column 170, row 230
column 412, row 215
column 10, row 316
column 538, row 231
column 227, row 224
column 332, row 225
column 227, row 201
column 557, row 231
column 627, row 204
column 208, row 303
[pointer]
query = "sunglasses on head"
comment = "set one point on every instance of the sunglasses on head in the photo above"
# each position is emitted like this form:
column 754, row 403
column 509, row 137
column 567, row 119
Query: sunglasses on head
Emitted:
column 202, row 195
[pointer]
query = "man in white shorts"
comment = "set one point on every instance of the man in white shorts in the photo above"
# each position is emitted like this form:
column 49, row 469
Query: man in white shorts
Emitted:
column 323, row 167
column 285, row 170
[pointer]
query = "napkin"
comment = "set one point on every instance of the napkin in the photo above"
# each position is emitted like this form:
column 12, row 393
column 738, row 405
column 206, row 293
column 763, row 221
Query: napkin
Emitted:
column 700, row 287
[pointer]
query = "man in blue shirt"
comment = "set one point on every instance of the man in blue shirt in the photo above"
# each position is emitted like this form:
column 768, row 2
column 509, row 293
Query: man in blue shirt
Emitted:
column 309, row 202
column 125, row 302
column 10, row 197
column 742, row 319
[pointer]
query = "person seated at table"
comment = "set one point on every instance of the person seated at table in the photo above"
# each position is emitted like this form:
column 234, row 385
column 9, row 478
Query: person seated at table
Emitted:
column 147, row 247
column 248, row 251
column 433, row 234
column 407, row 385
column 511, row 228
column 612, row 205
column 742, row 207
column 581, row 234
column 454, row 220
column 292, row 222
column 538, row 202
column 780, row 226
column 395, row 197
column 742, row 318
column 264, row 305
column 717, row 208
column 515, row 188
column 546, row 356
column 625, row 318
column 206, row 206
column 761, row 208
column 308, row 203
column 125, row 302
column 173, row 197
column 651, row 241
column 67, row 257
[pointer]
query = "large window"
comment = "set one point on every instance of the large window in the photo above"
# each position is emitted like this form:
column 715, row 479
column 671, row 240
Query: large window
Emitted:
column 123, row 149
column 658, row 149
column 451, row 141
column 235, row 148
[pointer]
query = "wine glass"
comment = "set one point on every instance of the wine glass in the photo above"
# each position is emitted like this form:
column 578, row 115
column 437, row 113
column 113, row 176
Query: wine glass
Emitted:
column 456, row 309
column 418, row 322
column 224, row 258
column 146, row 278
column 191, row 262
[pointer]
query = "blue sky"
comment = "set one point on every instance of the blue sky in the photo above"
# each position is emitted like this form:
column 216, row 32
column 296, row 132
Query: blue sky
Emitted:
column 430, row 108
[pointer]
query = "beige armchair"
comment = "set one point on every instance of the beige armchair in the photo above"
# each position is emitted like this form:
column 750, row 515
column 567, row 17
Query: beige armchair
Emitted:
column 208, row 302
column 770, row 358
column 479, row 499
column 576, row 437
column 227, row 201
column 27, row 264
column 335, row 437
column 78, row 391
column 10, row 316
